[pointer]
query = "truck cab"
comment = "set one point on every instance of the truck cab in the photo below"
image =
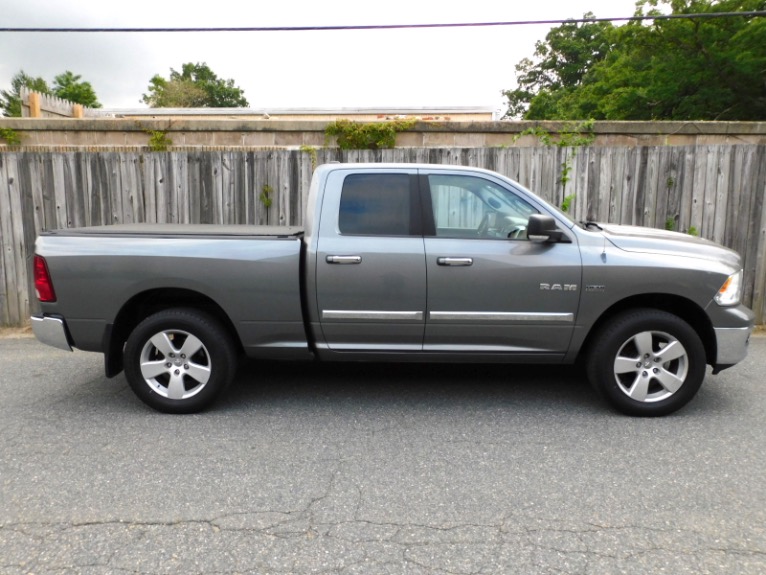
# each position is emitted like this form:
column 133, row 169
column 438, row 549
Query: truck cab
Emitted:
column 438, row 261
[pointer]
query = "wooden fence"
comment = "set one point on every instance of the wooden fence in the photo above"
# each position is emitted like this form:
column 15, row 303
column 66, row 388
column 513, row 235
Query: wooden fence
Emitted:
column 37, row 105
column 715, row 191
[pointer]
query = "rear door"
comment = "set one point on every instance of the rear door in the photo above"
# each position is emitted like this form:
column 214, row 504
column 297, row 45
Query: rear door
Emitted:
column 370, row 269
column 490, row 289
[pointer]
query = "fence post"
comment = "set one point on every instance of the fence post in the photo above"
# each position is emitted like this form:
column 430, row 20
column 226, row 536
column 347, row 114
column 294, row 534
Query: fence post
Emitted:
column 34, row 105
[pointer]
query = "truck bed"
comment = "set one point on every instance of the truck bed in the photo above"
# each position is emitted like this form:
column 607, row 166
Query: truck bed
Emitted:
column 251, row 272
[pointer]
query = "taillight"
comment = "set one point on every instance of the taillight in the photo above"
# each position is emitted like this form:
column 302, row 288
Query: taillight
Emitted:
column 43, row 283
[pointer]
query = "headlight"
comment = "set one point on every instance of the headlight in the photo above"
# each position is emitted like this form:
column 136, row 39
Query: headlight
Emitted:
column 731, row 290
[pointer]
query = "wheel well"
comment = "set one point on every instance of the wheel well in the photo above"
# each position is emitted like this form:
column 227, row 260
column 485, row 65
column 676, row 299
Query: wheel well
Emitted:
column 142, row 305
column 679, row 306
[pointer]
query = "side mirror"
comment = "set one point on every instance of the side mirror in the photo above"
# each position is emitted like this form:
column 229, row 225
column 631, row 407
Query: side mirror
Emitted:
column 542, row 228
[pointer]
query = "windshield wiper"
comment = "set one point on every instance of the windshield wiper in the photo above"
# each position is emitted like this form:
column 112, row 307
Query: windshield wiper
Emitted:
column 589, row 224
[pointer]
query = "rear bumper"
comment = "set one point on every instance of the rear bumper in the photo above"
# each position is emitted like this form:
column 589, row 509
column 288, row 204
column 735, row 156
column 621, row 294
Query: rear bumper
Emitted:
column 51, row 331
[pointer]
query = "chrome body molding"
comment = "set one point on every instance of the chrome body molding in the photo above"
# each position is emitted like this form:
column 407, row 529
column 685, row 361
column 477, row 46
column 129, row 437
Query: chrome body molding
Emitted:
column 404, row 348
column 498, row 316
column 330, row 314
column 477, row 349
column 732, row 344
column 51, row 331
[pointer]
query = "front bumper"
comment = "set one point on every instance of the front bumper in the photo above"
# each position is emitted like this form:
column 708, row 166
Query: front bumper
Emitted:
column 51, row 331
column 732, row 343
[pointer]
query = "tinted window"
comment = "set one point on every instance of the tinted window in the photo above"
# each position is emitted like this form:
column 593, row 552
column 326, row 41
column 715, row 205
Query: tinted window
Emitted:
column 376, row 204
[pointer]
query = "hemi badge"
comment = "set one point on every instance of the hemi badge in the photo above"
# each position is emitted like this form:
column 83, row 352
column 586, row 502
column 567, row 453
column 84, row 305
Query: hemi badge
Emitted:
column 595, row 287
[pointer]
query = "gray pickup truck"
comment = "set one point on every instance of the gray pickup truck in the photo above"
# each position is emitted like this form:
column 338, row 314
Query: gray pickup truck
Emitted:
column 397, row 262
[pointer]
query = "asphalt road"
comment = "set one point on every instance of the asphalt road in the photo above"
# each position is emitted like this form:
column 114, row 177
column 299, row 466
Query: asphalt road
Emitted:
column 361, row 469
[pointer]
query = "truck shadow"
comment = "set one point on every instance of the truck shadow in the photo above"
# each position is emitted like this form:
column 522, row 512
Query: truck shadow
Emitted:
column 422, row 387
column 374, row 385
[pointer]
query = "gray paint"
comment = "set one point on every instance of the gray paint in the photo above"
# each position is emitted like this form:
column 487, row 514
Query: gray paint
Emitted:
column 519, row 300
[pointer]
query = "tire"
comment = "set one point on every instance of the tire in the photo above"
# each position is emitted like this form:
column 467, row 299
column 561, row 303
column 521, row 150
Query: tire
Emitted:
column 647, row 362
column 179, row 360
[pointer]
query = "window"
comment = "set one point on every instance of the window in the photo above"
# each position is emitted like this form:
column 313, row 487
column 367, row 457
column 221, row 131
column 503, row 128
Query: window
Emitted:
column 471, row 207
column 377, row 204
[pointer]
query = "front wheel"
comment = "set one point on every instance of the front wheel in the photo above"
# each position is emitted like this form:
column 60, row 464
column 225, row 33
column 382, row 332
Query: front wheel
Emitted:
column 179, row 360
column 647, row 362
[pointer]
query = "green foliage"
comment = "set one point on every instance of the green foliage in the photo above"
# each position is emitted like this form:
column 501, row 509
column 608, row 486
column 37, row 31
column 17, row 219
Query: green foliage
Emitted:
column 566, row 168
column 572, row 135
column 670, row 223
column 10, row 101
column 195, row 86
column 693, row 231
column 559, row 66
column 159, row 141
column 678, row 69
column 312, row 152
column 566, row 205
column 68, row 86
column 366, row 136
column 545, row 137
column 265, row 196
column 10, row 136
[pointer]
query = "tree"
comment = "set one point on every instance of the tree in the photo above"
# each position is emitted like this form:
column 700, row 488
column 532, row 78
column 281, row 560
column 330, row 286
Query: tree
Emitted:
column 561, row 63
column 10, row 101
column 196, row 86
column 174, row 94
column 678, row 69
column 68, row 86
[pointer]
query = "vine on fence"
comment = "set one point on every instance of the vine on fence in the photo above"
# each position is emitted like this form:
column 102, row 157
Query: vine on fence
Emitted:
column 566, row 205
column 366, row 136
column 11, row 137
column 670, row 223
column 159, row 141
column 574, row 135
column 265, row 196
column 312, row 152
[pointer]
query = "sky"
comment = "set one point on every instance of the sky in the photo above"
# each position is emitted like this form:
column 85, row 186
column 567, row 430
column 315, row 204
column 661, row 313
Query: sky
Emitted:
column 418, row 68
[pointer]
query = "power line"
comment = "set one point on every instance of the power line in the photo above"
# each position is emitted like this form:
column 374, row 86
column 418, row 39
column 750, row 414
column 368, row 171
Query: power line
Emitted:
column 702, row 16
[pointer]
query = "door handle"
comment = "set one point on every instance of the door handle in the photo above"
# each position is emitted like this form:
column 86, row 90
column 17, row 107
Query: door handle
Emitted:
column 344, row 260
column 455, row 261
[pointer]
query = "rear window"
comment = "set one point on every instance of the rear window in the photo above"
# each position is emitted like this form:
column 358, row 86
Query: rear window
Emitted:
column 376, row 204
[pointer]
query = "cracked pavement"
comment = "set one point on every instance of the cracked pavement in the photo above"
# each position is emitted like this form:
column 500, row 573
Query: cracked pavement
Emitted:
column 375, row 469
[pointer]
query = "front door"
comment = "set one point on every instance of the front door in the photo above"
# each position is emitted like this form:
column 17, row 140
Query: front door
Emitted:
column 490, row 289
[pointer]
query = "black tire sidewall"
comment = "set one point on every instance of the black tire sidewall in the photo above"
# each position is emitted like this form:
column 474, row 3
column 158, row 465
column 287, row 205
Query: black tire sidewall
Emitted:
column 604, row 349
column 213, row 336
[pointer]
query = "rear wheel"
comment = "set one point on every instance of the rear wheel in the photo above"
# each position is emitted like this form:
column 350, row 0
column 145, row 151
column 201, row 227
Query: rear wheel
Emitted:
column 647, row 362
column 179, row 360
